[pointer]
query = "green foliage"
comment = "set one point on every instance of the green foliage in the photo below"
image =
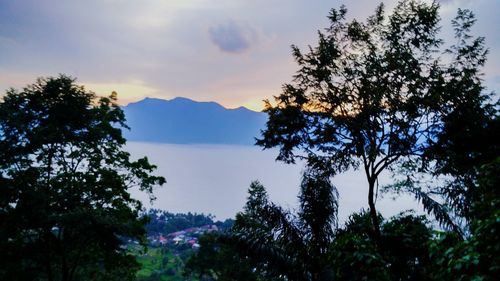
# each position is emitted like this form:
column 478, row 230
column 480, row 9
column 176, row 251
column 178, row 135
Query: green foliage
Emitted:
column 354, row 255
column 402, row 254
column 478, row 256
column 64, row 181
column 157, row 264
column 217, row 259
column 405, row 246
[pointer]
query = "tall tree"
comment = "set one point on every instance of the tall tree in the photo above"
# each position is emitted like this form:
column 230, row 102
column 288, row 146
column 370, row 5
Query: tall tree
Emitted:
column 372, row 94
column 65, row 209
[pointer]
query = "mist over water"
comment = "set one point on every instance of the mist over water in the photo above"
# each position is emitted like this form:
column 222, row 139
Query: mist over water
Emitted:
column 213, row 179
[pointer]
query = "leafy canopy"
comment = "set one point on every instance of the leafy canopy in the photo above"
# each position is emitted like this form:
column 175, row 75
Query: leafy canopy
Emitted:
column 65, row 209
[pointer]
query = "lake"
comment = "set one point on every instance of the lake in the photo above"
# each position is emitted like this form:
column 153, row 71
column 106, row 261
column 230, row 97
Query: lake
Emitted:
column 213, row 179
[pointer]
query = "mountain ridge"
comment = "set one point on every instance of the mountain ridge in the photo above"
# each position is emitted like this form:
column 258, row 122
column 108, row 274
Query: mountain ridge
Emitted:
column 184, row 99
column 184, row 121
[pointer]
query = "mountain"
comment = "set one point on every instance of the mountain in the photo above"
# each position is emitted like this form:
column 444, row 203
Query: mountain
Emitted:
column 184, row 121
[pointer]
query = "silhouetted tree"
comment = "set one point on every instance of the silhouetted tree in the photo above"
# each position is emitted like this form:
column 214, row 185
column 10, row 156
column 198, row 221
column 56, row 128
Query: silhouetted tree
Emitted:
column 65, row 209
column 376, row 94
column 289, row 246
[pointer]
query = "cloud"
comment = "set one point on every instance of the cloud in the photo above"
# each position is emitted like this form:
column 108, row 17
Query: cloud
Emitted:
column 232, row 37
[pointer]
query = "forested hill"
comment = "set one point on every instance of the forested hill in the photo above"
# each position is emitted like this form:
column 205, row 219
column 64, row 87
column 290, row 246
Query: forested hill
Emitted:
column 184, row 121
column 163, row 222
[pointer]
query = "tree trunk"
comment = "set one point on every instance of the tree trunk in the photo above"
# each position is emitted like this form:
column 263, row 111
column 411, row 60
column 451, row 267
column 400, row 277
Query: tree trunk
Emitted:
column 373, row 210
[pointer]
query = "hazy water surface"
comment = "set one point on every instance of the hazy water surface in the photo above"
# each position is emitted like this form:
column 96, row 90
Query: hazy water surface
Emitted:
column 214, row 179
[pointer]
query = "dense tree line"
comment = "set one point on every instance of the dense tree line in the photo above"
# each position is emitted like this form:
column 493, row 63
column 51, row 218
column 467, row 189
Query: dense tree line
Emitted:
column 163, row 222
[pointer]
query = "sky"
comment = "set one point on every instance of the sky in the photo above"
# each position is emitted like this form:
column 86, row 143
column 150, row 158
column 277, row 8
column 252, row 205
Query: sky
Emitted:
column 234, row 52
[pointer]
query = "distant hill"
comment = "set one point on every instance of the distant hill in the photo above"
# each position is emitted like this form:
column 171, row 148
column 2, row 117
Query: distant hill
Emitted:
column 184, row 121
